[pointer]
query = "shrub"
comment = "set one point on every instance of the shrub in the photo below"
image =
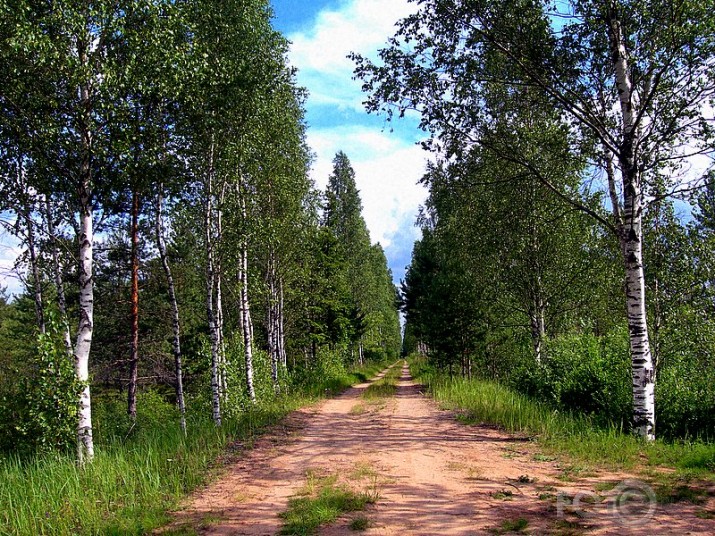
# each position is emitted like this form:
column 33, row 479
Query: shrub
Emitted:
column 46, row 409
column 112, row 423
column 583, row 373
column 685, row 401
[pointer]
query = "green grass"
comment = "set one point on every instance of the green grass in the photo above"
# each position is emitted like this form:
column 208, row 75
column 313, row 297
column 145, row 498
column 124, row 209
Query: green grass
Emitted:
column 127, row 489
column 132, row 484
column 359, row 523
column 322, row 501
column 375, row 395
column 575, row 436
column 385, row 387
column 512, row 525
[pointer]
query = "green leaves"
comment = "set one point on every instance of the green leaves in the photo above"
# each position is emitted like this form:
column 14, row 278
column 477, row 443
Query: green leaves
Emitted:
column 50, row 394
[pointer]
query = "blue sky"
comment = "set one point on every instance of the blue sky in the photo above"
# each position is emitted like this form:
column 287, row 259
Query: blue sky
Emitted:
column 386, row 159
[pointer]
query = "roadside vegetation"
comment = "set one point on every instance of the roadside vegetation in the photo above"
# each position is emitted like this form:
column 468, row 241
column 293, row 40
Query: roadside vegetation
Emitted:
column 583, row 441
column 141, row 471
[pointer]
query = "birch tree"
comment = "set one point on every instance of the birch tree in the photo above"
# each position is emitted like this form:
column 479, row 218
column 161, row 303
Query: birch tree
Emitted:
column 175, row 317
column 631, row 75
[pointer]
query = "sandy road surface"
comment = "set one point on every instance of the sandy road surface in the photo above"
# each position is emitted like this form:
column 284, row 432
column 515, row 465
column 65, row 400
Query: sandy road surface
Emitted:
column 434, row 476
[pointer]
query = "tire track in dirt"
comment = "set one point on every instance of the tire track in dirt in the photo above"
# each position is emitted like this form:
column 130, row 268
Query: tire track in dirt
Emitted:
column 436, row 476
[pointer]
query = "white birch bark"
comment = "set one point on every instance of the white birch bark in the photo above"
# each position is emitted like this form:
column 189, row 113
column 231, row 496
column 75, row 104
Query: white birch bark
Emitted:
column 244, row 307
column 223, row 386
column 272, row 320
column 210, row 287
column 281, row 327
column 175, row 319
column 83, row 344
column 631, row 237
column 85, row 443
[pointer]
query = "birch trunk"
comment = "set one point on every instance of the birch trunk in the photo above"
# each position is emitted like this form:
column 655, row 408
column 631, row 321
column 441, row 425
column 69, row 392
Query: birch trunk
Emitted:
column 281, row 327
column 246, row 322
column 85, row 443
column 272, row 320
column 223, row 387
column 134, row 357
column 210, row 287
column 244, row 307
column 175, row 324
column 538, row 325
column 643, row 372
column 59, row 283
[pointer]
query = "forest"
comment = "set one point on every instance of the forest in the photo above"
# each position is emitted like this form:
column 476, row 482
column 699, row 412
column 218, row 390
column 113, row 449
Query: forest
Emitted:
column 179, row 267
column 567, row 241
column 186, row 286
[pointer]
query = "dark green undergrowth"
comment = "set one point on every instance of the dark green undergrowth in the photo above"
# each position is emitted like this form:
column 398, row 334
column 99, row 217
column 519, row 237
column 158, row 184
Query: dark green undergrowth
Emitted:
column 581, row 437
column 140, row 472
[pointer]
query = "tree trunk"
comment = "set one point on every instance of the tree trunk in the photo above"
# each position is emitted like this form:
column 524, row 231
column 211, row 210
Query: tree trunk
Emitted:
column 175, row 324
column 85, row 443
column 61, row 300
column 538, row 325
column 272, row 320
column 631, row 240
column 281, row 327
column 134, row 356
column 210, row 287
column 244, row 307
column 223, row 386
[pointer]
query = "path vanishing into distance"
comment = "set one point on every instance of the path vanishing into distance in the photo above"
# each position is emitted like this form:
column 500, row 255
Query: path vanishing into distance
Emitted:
column 429, row 474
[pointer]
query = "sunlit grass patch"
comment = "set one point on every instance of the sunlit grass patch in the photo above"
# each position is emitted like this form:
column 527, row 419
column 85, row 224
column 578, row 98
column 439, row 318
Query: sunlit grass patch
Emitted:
column 321, row 501
column 136, row 479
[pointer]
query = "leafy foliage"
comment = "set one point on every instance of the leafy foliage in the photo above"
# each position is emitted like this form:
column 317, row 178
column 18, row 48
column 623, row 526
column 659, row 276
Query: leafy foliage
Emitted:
column 47, row 402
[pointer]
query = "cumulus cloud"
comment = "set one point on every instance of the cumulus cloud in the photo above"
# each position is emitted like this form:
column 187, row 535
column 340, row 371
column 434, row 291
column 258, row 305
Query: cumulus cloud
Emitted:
column 387, row 164
column 387, row 169
column 320, row 52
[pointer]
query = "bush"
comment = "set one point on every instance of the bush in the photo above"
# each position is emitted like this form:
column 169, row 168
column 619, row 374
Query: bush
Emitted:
column 46, row 407
column 112, row 423
column 582, row 373
column 326, row 373
column 685, row 401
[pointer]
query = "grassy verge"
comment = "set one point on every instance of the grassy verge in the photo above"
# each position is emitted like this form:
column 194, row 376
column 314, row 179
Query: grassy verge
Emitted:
column 385, row 387
column 568, row 435
column 131, row 485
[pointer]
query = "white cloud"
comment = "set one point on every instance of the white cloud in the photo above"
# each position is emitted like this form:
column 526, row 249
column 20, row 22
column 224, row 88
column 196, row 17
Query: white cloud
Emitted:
column 320, row 53
column 387, row 164
column 387, row 169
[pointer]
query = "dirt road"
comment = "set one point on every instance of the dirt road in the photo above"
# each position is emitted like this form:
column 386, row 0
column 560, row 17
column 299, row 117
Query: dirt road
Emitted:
column 432, row 475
